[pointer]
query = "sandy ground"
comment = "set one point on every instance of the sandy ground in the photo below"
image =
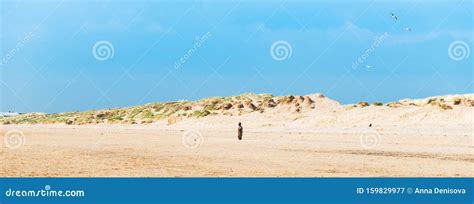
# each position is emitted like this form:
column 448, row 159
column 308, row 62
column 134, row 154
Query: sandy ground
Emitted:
column 157, row 150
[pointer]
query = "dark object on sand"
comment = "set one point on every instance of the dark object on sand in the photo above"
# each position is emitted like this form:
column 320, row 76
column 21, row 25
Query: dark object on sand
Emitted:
column 370, row 125
column 240, row 131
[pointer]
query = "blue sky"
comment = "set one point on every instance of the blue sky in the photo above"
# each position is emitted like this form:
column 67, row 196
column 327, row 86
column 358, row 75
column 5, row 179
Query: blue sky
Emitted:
column 224, row 47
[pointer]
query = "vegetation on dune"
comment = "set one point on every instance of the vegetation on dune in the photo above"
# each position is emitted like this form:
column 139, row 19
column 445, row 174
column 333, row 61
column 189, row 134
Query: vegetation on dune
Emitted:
column 377, row 104
column 173, row 112
column 441, row 103
column 457, row 101
column 363, row 104
column 148, row 113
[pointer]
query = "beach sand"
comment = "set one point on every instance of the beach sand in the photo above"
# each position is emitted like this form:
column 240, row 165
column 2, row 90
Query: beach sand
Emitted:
column 328, row 141
column 107, row 150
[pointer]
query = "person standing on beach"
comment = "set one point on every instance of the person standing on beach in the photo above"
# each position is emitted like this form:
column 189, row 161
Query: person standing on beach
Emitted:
column 240, row 131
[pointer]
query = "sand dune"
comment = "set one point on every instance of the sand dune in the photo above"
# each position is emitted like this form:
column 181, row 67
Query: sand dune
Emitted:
column 308, row 135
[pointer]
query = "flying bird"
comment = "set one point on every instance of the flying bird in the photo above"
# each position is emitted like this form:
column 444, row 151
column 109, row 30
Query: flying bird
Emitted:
column 407, row 29
column 394, row 16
